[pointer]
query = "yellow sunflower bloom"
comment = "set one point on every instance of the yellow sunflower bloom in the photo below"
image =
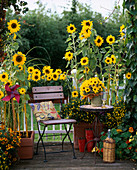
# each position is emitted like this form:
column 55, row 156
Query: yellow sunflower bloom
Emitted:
column 1, row 94
column 81, row 35
column 121, row 28
column 95, row 89
column 110, row 39
column 47, row 70
column 84, row 61
column 35, row 77
column 49, row 77
column 98, row 41
column 22, row 91
column 19, row 59
column 4, row 77
column 86, row 32
column 30, row 69
column 87, row 23
column 58, row 71
column 13, row 26
column 68, row 56
column 113, row 59
column 43, row 77
column 71, row 28
column 55, row 76
column 62, row 77
column 20, row 67
column 108, row 60
column 37, row 71
column 75, row 94
column 128, row 75
column 9, row 82
column 86, row 70
column 87, row 90
column 29, row 77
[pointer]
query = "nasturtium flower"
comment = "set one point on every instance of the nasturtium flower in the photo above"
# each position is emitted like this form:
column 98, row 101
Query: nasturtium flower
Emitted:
column 62, row 76
column 22, row 91
column 35, row 77
column 19, row 58
column 75, row 94
column 68, row 56
column 84, row 61
column 108, row 60
column 71, row 28
column 20, row 67
column 113, row 59
column 98, row 41
column 110, row 39
column 128, row 75
column 13, row 26
column 4, row 76
column 1, row 94
column 55, row 76
column 30, row 69
column 87, row 23
column 131, row 130
column 47, row 70
column 37, row 72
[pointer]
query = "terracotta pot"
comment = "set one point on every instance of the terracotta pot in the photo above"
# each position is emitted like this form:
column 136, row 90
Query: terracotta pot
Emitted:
column 81, row 143
column 79, row 131
column 26, row 149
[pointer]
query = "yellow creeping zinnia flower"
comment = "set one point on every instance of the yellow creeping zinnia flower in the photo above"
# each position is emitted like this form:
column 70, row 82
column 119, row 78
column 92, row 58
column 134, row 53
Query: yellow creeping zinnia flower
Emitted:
column 35, row 77
column 19, row 59
column 84, row 61
column 55, row 76
column 87, row 23
column 108, row 60
column 1, row 94
column 13, row 26
column 98, row 41
column 68, row 56
column 22, row 91
column 75, row 94
column 4, row 77
column 113, row 59
column 110, row 39
column 128, row 75
column 30, row 69
column 71, row 28
column 47, row 70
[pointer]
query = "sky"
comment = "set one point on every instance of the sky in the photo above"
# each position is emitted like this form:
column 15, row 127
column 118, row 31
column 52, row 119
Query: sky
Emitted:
column 105, row 7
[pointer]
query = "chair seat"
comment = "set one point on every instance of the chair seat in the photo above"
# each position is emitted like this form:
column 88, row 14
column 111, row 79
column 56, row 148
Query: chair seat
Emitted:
column 61, row 121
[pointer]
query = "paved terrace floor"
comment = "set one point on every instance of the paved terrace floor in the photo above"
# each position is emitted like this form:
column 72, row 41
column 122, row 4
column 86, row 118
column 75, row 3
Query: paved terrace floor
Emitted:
column 64, row 161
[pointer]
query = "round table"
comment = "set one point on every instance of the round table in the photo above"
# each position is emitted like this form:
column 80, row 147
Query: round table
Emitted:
column 96, row 125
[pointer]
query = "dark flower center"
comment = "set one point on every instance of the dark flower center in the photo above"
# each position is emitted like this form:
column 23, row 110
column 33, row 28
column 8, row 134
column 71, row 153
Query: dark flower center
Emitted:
column 36, row 72
column 36, row 77
column 13, row 25
column 111, row 39
column 84, row 61
column 8, row 83
column 87, row 23
column 107, row 60
column 75, row 93
column 98, row 40
column 71, row 28
column 54, row 75
column 47, row 71
column 112, row 59
column 30, row 70
column 3, row 76
column 69, row 55
column 19, row 58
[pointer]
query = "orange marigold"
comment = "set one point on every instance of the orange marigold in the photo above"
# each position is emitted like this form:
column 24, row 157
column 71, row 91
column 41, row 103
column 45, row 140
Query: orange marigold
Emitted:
column 131, row 129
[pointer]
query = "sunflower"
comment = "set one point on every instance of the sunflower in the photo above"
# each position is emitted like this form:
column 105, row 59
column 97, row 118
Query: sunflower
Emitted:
column 68, row 56
column 37, row 72
column 84, row 61
column 43, row 77
column 121, row 28
column 128, row 75
column 19, row 59
column 113, row 59
column 75, row 94
column 20, row 67
column 110, row 39
column 35, row 77
column 4, row 77
column 29, row 77
column 81, row 35
column 13, row 26
column 98, row 41
column 47, row 70
column 108, row 60
column 49, row 77
column 1, row 94
column 87, row 90
column 86, row 32
column 71, row 28
column 9, row 82
column 55, row 76
column 22, row 91
column 62, row 77
column 58, row 71
column 30, row 69
column 86, row 70
column 95, row 89
column 87, row 23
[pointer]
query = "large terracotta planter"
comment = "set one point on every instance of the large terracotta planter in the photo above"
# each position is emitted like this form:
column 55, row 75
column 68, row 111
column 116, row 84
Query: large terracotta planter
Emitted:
column 79, row 131
column 26, row 149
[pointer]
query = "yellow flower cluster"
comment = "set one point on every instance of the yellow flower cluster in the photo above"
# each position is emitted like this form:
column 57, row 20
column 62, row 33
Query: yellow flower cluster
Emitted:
column 110, row 60
column 91, row 86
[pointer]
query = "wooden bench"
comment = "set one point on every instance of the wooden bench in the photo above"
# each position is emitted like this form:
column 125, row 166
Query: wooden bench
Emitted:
column 51, row 93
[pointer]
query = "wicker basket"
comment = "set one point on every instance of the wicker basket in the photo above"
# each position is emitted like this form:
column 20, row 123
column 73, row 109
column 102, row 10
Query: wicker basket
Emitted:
column 109, row 150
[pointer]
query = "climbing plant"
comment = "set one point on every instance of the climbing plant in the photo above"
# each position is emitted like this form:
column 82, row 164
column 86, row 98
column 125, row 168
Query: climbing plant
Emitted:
column 130, row 6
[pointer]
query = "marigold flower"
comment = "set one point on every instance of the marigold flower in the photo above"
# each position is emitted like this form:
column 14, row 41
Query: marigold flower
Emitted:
column 131, row 130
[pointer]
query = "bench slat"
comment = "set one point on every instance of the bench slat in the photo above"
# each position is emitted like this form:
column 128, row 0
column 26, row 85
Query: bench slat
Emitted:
column 48, row 96
column 47, row 89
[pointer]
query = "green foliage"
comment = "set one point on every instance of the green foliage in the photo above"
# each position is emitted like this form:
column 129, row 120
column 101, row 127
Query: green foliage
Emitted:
column 131, row 62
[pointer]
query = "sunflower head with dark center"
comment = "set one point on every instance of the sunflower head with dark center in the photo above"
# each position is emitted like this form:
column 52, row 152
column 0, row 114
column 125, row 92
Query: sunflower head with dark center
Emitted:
column 3, row 76
column 87, row 23
column 84, row 61
column 98, row 40
column 55, row 76
column 30, row 70
column 107, row 60
column 71, row 28
column 19, row 58
column 8, row 83
column 47, row 71
column 36, row 72
column 75, row 94
column 69, row 55
column 111, row 39
column 13, row 25
column 36, row 77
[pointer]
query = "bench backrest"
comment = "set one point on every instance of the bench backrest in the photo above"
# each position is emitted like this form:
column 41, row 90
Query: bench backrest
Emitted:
column 47, row 93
